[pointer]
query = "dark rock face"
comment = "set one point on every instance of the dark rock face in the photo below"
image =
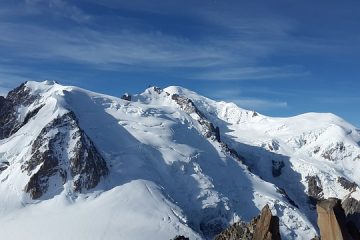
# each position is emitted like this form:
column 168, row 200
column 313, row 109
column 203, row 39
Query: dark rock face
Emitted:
column 263, row 227
column 9, row 119
column 277, row 167
column 157, row 90
column 274, row 145
column 351, row 186
column 126, row 97
column 333, row 223
column 31, row 114
column 329, row 154
column 315, row 191
column 217, row 134
column 4, row 166
column 351, row 207
column 180, row 237
column 62, row 149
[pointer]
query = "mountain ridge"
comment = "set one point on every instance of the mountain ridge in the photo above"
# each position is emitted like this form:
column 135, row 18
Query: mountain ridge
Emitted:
column 212, row 163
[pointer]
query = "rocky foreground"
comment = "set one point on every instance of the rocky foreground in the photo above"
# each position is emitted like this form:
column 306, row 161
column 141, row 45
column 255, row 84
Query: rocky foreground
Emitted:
column 336, row 221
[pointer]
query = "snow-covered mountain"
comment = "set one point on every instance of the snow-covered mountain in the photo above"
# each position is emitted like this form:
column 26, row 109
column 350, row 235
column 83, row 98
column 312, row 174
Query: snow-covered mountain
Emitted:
column 75, row 164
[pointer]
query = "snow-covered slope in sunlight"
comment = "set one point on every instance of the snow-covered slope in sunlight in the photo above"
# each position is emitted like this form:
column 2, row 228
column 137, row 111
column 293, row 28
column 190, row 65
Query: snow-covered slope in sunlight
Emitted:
column 83, row 165
column 134, row 210
column 314, row 154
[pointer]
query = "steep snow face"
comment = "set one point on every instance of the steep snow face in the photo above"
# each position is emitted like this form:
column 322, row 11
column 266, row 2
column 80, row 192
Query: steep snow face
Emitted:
column 169, row 162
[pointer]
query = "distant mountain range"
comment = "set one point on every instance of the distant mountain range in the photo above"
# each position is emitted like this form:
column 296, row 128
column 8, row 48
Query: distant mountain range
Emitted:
column 75, row 164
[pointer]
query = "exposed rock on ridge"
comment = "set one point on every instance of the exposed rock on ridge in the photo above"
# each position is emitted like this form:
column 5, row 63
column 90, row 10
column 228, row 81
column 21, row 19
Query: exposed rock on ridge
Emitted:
column 263, row 227
column 189, row 107
column 315, row 191
column 208, row 128
column 9, row 117
column 62, row 149
column 351, row 207
column 351, row 186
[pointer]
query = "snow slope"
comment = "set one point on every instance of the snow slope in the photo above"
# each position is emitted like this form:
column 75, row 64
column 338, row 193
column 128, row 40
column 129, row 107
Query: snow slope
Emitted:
column 166, row 177
column 311, row 144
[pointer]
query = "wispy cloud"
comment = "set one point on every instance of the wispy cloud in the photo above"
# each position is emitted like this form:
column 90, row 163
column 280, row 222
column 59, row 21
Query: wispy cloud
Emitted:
column 152, row 49
column 237, row 96
column 213, row 60
column 237, row 53
column 259, row 104
column 57, row 7
column 252, row 73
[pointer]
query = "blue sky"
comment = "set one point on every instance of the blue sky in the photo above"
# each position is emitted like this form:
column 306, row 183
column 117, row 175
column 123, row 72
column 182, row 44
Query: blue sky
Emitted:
column 280, row 58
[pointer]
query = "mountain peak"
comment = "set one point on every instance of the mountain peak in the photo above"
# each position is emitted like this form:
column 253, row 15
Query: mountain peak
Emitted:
column 166, row 157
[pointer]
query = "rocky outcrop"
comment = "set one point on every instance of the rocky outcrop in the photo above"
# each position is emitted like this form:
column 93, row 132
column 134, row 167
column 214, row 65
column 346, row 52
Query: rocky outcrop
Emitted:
column 267, row 226
column 237, row 231
column 63, row 152
column 189, row 107
column 351, row 207
column 180, row 237
column 351, row 186
column 9, row 116
column 217, row 134
column 208, row 128
column 332, row 153
column 4, row 165
column 263, row 227
column 277, row 166
column 315, row 191
column 333, row 223
column 126, row 97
